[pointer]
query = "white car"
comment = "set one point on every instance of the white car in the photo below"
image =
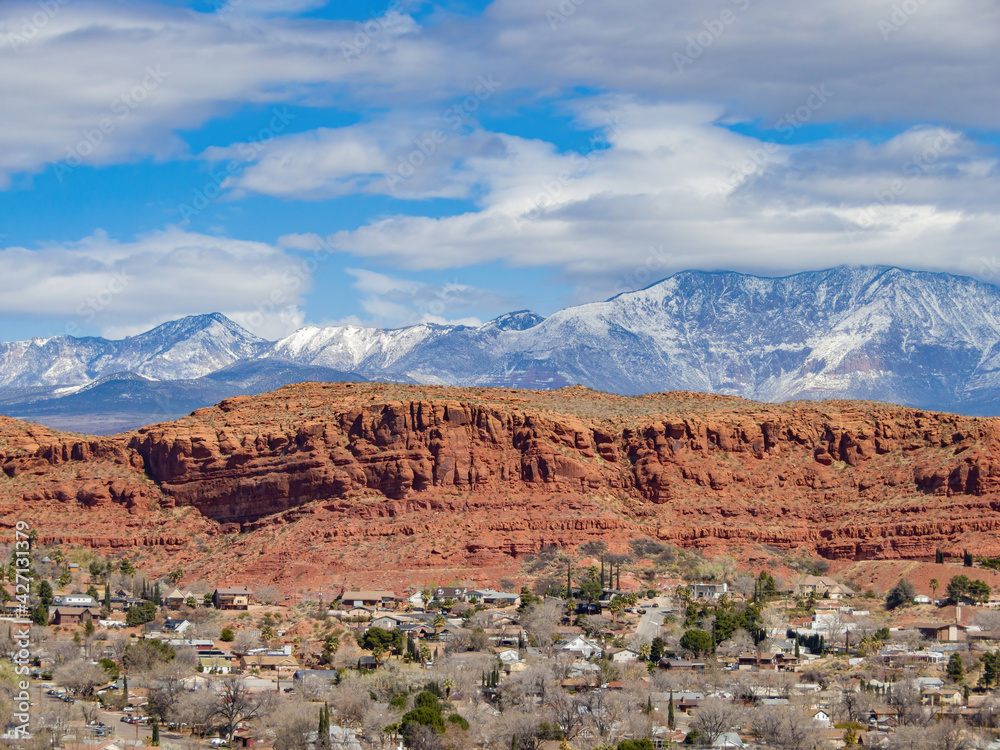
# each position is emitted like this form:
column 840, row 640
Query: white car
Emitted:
column 218, row 742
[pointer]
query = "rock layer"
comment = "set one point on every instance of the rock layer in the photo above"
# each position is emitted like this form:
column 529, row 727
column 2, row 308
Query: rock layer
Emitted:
column 367, row 475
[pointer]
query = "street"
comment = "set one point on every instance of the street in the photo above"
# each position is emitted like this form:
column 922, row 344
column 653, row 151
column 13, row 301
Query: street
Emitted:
column 649, row 626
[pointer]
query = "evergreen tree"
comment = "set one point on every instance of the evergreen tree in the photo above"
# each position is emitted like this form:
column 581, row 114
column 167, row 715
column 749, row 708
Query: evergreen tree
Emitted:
column 956, row 672
column 602, row 572
column 155, row 739
column 569, row 582
column 45, row 593
column 967, row 558
column 939, row 557
column 107, row 595
column 618, row 582
column 670, row 712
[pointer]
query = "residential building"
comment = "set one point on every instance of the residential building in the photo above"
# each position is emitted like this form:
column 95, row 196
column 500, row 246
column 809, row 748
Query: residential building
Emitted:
column 234, row 597
column 708, row 590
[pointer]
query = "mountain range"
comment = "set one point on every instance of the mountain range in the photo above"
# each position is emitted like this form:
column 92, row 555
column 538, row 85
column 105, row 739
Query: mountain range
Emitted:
column 922, row 339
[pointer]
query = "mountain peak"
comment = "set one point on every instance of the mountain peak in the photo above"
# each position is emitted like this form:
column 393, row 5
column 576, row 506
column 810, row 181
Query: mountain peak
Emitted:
column 520, row 320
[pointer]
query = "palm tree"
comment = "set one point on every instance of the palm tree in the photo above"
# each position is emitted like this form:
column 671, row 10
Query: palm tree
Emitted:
column 645, row 650
column 934, row 587
column 448, row 684
column 439, row 623
column 425, row 652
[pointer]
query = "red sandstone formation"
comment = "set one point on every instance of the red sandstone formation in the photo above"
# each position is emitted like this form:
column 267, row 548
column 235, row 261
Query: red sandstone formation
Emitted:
column 374, row 477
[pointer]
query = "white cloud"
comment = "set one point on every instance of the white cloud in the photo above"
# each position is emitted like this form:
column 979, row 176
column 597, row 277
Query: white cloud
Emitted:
column 675, row 190
column 393, row 302
column 127, row 288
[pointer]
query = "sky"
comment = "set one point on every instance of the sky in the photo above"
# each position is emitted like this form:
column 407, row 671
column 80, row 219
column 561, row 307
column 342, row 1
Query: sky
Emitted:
column 387, row 163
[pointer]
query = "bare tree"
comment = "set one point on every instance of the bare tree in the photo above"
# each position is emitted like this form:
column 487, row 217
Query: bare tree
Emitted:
column 234, row 704
column 716, row 716
column 80, row 677
column 293, row 725
column 267, row 594
column 785, row 728
column 244, row 642
column 540, row 620
column 197, row 708
column 905, row 698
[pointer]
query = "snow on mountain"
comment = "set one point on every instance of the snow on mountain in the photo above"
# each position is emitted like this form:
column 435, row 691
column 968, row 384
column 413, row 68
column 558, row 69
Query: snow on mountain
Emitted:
column 925, row 339
column 186, row 348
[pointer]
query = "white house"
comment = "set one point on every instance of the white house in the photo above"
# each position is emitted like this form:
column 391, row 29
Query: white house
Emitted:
column 580, row 645
column 621, row 655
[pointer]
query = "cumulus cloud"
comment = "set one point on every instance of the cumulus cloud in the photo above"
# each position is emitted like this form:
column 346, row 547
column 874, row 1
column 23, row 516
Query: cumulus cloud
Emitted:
column 124, row 288
column 665, row 187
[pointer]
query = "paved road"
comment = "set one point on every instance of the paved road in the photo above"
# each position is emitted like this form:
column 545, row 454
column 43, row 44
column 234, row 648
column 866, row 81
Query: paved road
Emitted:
column 649, row 626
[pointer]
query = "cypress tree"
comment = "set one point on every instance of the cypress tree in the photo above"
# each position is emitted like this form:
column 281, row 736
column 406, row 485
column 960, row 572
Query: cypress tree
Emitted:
column 602, row 572
column 618, row 585
column 939, row 557
column 569, row 582
column 155, row 740
column 670, row 711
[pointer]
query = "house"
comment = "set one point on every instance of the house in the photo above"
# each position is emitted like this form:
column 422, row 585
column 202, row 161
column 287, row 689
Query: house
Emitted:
column 708, row 590
column 175, row 599
column 75, row 600
column 388, row 622
column 822, row 587
column 74, row 615
column 367, row 598
column 580, row 645
column 767, row 661
column 621, row 655
column 497, row 598
column 457, row 593
column 682, row 665
column 234, row 597
column 899, row 658
column 821, row 716
column 941, row 697
column 949, row 632
column 269, row 663
column 215, row 665
column 367, row 662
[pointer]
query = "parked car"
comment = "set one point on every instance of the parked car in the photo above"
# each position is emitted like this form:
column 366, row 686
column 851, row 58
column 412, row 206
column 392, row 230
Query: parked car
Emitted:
column 218, row 742
column 129, row 709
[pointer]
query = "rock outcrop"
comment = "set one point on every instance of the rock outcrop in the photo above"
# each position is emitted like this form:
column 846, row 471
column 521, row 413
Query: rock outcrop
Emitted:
column 368, row 475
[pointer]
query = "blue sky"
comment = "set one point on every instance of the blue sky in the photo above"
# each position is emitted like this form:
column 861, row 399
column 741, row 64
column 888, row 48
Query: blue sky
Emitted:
column 300, row 162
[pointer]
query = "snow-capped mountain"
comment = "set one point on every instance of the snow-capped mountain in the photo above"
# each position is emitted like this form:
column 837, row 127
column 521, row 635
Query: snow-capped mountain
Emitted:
column 187, row 348
column 924, row 339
